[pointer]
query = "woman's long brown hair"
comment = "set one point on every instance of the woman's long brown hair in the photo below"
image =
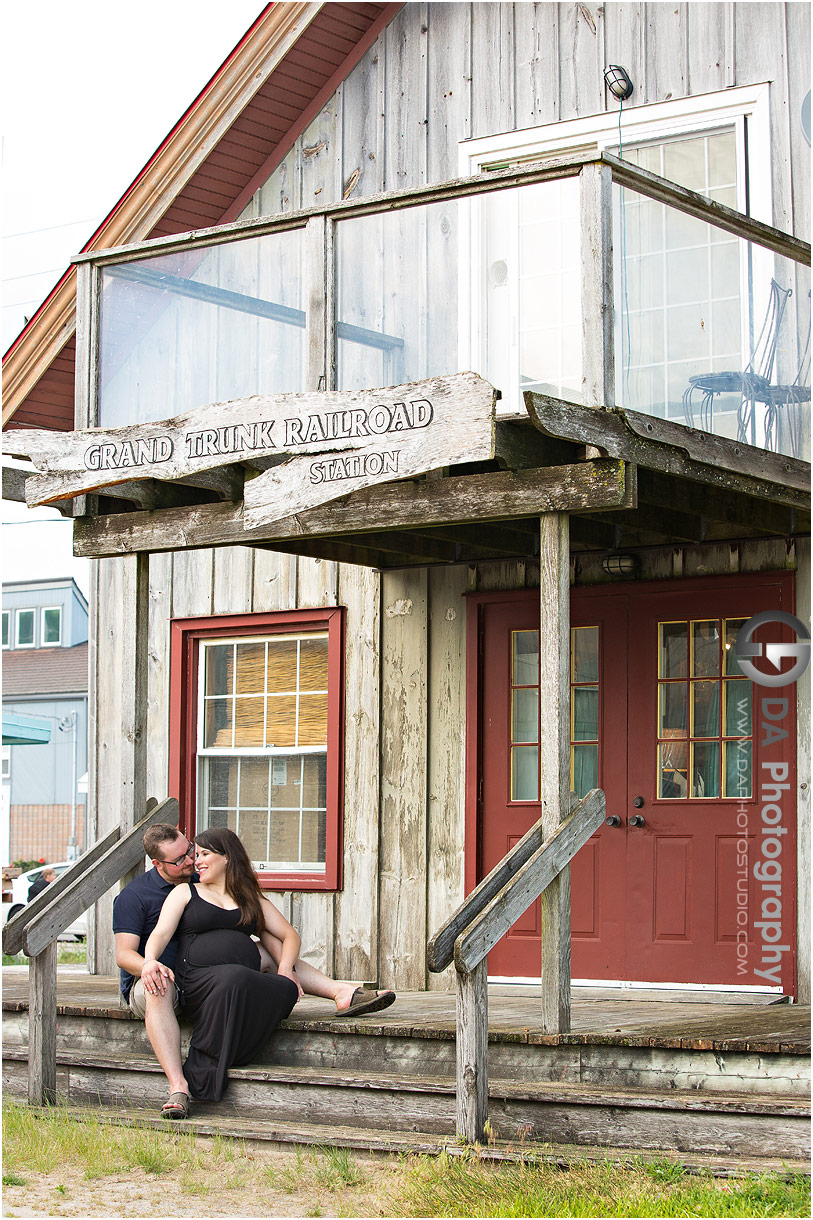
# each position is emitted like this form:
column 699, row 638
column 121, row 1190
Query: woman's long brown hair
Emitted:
column 241, row 880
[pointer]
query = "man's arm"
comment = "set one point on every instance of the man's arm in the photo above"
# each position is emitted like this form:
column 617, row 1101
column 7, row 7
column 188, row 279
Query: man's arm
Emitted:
column 127, row 955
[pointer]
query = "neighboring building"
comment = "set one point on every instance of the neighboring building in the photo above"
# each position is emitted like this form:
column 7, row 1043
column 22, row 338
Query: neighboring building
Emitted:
column 45, row 682
column 356, row 687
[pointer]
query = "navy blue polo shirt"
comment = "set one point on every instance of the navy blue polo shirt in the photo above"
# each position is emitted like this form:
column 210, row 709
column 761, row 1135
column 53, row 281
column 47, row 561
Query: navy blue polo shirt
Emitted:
column 136, row 910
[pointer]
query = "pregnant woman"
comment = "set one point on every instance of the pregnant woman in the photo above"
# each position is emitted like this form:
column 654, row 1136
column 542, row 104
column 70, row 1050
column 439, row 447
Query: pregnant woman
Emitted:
column 232, row 1006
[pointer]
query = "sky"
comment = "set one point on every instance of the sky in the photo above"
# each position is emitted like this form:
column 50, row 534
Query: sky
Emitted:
column 88, row 91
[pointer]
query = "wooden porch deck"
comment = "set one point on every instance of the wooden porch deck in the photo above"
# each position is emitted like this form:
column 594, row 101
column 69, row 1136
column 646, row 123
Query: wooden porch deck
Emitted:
column 747, row 1026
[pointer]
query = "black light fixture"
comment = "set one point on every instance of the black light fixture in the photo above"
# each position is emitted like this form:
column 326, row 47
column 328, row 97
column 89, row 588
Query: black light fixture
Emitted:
column 618, row 82
column 620, row 565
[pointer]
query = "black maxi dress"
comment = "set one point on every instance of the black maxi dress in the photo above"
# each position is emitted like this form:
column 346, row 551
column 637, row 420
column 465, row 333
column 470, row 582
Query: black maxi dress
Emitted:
column 233, row 1007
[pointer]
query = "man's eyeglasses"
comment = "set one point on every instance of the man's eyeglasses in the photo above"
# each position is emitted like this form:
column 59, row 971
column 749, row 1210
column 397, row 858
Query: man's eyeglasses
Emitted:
column 190, row 851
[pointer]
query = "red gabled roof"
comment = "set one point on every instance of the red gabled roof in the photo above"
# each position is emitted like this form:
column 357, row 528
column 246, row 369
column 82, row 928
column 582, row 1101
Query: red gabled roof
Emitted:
column 237, row 130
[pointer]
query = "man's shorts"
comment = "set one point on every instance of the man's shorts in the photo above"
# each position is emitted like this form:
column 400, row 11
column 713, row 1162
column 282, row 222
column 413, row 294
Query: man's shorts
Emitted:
column 138, row 1000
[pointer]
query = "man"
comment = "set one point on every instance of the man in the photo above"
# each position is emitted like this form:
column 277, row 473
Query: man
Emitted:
column 45, row 878
column 154, row 997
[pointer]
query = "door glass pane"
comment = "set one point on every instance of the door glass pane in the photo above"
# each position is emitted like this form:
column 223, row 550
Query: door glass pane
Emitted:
column 525, row 773
column 674, row 650
column 705, row 769
column 674, row 721
column 705, row 649
column 585, row 654
column 738, row 707
column 585, row 713
column 525, row 650
column 584, row 769
column 738, row 769
column 732, row 666
column 705, row 709
column 525, row 716
column 672, row 769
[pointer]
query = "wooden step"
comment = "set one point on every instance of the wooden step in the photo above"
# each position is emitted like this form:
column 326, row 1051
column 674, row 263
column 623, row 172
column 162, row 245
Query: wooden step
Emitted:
column 206, row 1121
column 691, row 1121
column 352, row 1046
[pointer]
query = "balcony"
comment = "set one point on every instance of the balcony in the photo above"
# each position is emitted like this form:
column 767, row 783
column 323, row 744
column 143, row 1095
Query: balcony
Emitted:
column 592, row 281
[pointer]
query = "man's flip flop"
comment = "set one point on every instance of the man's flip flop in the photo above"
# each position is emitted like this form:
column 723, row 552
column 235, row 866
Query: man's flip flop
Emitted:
column 367, row 1001
column 177, row 1106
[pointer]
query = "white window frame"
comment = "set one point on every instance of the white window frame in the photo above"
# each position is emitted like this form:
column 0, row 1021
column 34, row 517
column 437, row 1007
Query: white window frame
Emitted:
column 5, row 764
column 746, row 108
column 17, row 613
column 50, row 643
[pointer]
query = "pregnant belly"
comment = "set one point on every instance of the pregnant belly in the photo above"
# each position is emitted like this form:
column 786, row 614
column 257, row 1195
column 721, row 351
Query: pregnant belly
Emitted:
column 224, row 947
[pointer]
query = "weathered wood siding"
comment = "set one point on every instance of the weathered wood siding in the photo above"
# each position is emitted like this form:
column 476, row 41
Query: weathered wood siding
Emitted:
column 441, row 73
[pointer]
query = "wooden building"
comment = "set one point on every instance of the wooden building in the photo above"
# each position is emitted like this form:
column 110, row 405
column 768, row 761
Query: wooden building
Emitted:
column 373, row 195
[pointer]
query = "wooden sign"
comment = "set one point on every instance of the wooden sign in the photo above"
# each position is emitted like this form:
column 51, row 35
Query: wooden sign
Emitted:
column 328, row 444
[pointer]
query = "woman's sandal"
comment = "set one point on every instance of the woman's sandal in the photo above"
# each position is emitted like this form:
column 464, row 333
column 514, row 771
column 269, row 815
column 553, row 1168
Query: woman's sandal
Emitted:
column 177, row 1106
column 367, row 1001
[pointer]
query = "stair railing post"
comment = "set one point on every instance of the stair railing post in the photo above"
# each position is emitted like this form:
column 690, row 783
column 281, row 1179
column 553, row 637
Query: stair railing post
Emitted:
column 42, row 1027
column 472, row 1054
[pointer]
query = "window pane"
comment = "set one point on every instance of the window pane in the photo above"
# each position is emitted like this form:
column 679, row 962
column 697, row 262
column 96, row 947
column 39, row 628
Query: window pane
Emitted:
column 585, row 713
column 248, row 721
column 25, row 627
column 738, row 706
column 222, row 782
column 706, row 769
column 313, row 665
column 282, row 665
column 732, row 665
column 314, row 781
column 674, row 650
column 219, row 663
column 254, row 783
column 705, row 709
column 525, row 715
column 585, row 654
column 254, row 833
column 584, row 768
column 525, row 667
column 51, row 625
column 284, row 839
column 672, row 769
column 281, row 726
column 673, row 713
column 738, row 767
column 525, row 773
column 5, row 628
column 705, row 649
column 312, row 720
column 217, row 723
column 250, row 669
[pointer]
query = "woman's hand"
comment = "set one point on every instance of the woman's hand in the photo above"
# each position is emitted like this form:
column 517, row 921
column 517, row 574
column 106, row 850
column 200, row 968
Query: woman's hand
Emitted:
column 155, row 976
column 291, row 974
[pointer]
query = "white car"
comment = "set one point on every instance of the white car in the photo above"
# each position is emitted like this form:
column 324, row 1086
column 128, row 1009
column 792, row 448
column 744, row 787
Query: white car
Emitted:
column 19, row 897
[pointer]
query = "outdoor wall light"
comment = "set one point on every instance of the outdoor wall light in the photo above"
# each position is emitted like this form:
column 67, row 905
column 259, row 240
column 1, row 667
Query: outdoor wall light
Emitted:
column 618, row 82
column 620, row 565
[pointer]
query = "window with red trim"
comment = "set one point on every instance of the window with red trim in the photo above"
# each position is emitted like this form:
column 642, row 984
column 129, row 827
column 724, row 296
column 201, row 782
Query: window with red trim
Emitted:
column 256, row 737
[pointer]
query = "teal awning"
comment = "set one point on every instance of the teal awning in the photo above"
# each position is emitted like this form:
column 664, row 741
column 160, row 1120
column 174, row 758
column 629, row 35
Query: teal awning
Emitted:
column 25, row 730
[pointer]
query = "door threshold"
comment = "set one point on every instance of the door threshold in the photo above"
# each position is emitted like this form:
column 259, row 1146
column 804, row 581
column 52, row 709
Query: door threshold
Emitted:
column 680, row 993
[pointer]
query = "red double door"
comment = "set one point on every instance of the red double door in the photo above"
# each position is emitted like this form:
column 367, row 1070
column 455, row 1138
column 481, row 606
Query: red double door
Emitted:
column 663, row 720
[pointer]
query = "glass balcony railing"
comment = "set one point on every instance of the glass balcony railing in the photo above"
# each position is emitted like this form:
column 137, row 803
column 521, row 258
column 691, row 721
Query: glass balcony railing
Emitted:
column 711, row 327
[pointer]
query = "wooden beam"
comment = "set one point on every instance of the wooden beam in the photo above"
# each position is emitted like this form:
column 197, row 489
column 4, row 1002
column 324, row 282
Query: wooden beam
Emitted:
column 717, row 505
column 674, row 525
column 133, row 747
column 595, row 535
column 660, row 444
column 394, row 506
column 554, row 759
column 341, row 550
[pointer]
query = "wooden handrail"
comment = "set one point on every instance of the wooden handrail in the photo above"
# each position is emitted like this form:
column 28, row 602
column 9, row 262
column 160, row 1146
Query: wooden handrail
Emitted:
column 528, row 882
column 476, row 926
column 37, row 927
column 107, row 869
column 440, row 950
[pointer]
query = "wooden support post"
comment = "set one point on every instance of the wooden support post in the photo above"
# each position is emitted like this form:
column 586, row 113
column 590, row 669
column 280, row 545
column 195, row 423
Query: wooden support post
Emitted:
column 554, row 759
column 42, row 1028
column 598, row 341
column 134, row 695
column 472, row 1054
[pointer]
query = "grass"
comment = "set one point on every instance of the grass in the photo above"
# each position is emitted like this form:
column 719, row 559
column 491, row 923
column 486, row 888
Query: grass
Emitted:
column 68, row 953
column 466, row 1186
column 334, row 1181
